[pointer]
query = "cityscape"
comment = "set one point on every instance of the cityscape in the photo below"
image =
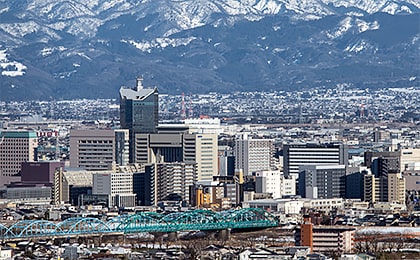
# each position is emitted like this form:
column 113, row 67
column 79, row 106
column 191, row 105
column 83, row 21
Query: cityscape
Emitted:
column 323, row 173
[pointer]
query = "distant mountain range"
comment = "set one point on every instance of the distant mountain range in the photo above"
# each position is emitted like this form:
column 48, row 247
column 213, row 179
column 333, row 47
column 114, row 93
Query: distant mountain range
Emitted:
column 56, row 49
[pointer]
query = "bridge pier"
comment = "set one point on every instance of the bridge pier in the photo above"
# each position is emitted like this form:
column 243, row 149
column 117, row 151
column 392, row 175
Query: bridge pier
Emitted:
column 224, row 234
column 173, row 236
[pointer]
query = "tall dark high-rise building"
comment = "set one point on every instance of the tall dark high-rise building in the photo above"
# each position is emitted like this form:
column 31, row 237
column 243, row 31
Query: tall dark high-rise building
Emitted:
column 139, row 110
column 296, row 155
column 322, row 181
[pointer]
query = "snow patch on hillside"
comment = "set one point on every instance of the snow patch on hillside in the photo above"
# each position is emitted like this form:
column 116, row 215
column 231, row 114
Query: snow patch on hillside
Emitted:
column 10, row 68
column 159, row 43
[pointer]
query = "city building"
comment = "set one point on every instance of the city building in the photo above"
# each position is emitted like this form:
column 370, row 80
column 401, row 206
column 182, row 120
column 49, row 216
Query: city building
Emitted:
column 325, row 239
column 69, row 185
column 180, row 147
column 175, row 178
column 118, row 186
column 284, row 206
column 40, row 172
column 139, row 111
column 226, row 161
column 252, row 155
column 295, row 155
column 122, row 147
column 204, row 125
column 16, row 147
column 385, row 189
column 354, row 181
column 275, row 183
column 322, row 181
column 409, row 157
column 92, row 149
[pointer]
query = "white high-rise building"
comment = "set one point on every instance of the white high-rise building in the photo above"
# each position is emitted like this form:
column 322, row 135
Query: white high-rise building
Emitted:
column 252, row 155
column 276, row 183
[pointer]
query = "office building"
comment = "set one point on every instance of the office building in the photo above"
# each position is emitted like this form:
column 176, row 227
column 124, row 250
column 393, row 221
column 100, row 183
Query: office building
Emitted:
column 354, row 181
column 139, row 111
column 118, row 186
column 180, row 147
column 409, row 157
column 16, row 147
column 275, row 183
column 226, row 161
column 92, row 149
column 41, row 172
column 252, row 155
column 205, row 156
column 122, row 147
column 322, row 181
column 295, row 155
column 69, row 185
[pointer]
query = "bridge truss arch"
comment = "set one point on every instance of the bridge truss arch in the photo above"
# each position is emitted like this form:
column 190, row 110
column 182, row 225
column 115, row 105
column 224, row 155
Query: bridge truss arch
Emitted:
column 194, row 220
column 140, row 222
column 80, row 225
column 32, row 228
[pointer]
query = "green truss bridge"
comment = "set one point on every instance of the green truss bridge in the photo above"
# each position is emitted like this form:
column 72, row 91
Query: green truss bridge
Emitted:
column 140, row 222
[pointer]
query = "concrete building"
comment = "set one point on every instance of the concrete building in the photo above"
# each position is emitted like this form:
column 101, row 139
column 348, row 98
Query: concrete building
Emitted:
column 276, row 183
column 295, row 155
column 175, row 178
column 396, row 188
column 226, row 161
column 122, row 147
column 284, row 206
column 139, row 111
column 322, row 181
column 92, row 149
column 161, row 180
column 354, row 181
column 118, row 186
column 203, row 125
column 205, row 156
column 41, row 172
column 16, row 147
column 325, row 239
column 69, row 184
column 374, row 188
column 371, row 188
column 180, row 147
column 409, row 157
column 252, row 155
column 412, row 180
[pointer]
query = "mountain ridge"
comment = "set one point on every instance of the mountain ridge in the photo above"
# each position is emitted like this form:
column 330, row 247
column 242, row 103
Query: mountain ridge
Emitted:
column 75, row 49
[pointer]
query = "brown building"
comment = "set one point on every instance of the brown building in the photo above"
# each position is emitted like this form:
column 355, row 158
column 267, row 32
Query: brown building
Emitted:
column 40, row 172
column 16, row 147
column 325, row 239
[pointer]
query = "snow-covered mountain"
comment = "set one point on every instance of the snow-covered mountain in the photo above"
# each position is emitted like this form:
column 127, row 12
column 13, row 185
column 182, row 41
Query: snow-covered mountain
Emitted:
column 62, row 49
